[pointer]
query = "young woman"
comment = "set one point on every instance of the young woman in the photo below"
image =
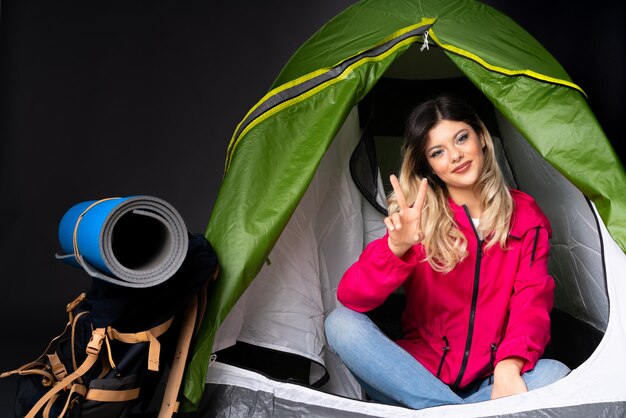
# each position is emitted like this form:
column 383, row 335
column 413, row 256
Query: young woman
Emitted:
column 472, row 257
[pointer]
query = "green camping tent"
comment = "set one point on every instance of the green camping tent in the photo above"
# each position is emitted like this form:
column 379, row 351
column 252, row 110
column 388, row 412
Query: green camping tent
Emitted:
column 277, row 148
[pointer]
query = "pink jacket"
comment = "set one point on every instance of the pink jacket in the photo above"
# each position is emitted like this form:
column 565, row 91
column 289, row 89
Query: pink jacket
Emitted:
column 491, row 306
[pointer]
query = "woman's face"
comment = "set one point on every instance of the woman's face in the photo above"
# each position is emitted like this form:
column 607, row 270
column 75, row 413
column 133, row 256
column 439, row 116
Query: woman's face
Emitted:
column 455, row 154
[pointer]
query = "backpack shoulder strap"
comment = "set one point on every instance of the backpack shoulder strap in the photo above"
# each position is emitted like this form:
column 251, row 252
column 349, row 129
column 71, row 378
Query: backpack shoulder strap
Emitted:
column 169, row 406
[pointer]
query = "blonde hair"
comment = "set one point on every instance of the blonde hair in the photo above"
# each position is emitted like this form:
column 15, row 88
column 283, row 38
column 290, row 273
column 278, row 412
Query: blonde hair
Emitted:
column 444, row 244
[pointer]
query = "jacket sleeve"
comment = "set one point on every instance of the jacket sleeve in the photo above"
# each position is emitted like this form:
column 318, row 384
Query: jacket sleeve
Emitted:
column 528, row 329
column 377, row 273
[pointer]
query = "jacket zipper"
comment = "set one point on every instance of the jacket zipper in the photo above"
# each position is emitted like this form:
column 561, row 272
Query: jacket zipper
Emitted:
column 532, row 255
column 492, row 362
column 445, row 350
column 470, row 327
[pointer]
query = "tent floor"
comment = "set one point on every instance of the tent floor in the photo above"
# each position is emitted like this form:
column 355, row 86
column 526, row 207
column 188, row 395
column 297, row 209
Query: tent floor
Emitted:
column 572, row 343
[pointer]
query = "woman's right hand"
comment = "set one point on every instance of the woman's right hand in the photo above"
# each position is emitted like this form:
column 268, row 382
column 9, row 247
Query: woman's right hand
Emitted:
column 404, row 226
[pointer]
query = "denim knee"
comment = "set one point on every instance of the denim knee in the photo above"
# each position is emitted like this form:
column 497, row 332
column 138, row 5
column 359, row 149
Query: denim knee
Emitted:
column 339, row 327
column 553, row 368
column 546, row 372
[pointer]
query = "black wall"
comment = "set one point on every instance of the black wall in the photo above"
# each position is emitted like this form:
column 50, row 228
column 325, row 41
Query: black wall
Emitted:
column 118, row 98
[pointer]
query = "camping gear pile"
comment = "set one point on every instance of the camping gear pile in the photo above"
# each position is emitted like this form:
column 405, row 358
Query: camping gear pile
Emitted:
column 320, row 145
column 124, row 348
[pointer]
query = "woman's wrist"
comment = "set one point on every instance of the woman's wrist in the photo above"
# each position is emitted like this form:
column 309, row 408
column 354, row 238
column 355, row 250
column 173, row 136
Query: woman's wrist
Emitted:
column 509, row 366
column 397, row 250
column 507, row 379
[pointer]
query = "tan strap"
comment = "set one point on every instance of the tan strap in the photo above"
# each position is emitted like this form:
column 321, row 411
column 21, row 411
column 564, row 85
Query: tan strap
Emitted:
column 34, row 367
column 77, row 255
column 110, row 353
column 36, row 362
column 92, row 350
column 47, row 378
column 70, row 306
column 80, row 389
column 106, row 368
column 24, row 367
column 169, row 406
column 149, row 336
column 73, row 341
column 48, row 408
column 103, row 395
column 58, row 368
column 54, row 339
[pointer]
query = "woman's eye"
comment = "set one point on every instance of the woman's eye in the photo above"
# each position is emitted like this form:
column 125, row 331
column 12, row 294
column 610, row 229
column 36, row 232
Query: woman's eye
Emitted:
column 435, row 153
column 462, row 138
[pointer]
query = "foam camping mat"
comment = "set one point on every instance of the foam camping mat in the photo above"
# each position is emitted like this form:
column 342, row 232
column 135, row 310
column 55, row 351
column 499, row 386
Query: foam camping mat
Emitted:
column 137, row 241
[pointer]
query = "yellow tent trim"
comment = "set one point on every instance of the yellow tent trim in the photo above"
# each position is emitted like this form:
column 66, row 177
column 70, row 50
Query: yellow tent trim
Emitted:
column 235, row 140
column 476, row 58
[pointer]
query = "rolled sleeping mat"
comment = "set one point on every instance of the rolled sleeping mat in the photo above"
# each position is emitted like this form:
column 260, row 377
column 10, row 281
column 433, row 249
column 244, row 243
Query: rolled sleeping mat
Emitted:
column 138, row 241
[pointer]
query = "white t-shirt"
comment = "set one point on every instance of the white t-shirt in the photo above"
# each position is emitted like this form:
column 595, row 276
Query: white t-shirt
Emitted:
column 476, row 223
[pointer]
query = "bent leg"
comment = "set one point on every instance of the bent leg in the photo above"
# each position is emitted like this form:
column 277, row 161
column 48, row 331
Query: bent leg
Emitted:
column 382, row 364
column 546, row 371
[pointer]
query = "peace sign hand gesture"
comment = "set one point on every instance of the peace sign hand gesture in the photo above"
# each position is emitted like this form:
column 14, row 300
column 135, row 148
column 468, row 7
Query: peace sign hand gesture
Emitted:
column 404, row 226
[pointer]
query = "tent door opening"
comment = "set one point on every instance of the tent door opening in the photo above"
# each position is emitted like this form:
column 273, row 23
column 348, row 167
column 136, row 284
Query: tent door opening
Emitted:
column 276, row 328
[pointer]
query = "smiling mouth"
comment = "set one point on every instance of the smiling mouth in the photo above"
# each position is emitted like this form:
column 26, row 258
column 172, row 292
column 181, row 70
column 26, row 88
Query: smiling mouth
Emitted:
column 462, row 168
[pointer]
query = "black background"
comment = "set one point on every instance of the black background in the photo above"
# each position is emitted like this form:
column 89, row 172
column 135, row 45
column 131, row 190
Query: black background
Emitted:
column 119, row 98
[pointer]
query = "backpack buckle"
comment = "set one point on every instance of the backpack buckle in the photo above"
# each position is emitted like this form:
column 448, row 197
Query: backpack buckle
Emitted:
column 70, row 306
column 95, row 343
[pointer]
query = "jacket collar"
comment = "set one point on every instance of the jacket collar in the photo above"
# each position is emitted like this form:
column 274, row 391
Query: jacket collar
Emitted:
column 461, row 216
column 526, row 215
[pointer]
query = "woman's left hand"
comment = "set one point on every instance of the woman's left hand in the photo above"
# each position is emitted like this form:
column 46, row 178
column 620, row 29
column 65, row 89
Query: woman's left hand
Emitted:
column 507, row 379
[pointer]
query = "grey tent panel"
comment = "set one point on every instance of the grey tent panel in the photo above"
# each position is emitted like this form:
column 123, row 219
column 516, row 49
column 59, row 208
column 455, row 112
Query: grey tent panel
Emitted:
column 595, row 410
column 227, row 401
column 576, row 249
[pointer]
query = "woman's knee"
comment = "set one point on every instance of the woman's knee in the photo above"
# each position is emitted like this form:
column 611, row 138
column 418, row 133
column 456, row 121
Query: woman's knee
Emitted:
column 340, row 326
column 553, row 368
column 546, row 371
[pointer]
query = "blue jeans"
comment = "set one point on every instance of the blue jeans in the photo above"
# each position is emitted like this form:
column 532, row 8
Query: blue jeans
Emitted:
column 391, row 375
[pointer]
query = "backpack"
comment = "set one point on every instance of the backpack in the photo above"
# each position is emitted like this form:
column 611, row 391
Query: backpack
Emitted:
column 123, row 350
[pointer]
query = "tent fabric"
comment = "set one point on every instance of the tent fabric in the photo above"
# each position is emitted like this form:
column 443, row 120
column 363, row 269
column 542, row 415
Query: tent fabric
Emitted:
column 593, row 389
column 276, row 151
column 238, row 398
column 570, row 394
column 576, row 248
column 244, row 393
column 558, row 122
column 285, row 306
column 469, row 25
column 310, row 84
